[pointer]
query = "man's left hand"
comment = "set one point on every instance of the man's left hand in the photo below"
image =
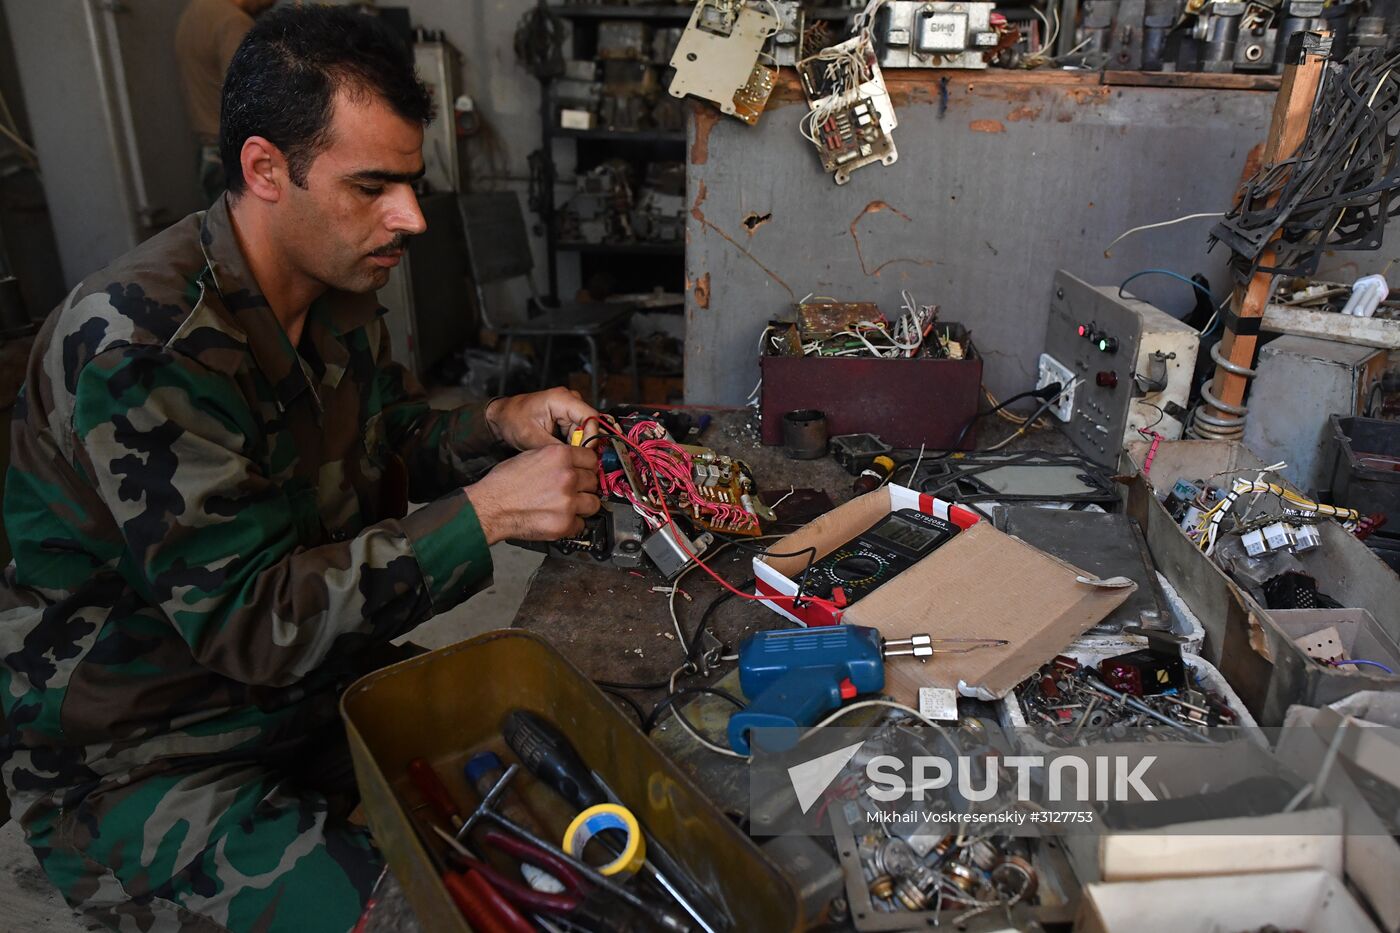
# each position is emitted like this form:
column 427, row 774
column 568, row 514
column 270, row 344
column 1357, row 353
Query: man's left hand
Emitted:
column 529, row 421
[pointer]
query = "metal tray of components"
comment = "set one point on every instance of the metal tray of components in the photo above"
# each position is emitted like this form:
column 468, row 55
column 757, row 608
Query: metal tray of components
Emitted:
column 1056, row 888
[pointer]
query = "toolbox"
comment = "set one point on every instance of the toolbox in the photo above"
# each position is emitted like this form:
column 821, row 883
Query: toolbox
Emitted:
column 448, row 704
column 886, row 397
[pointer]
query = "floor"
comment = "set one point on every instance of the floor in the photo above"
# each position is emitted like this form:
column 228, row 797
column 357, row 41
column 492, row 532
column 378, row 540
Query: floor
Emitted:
column 29, row 903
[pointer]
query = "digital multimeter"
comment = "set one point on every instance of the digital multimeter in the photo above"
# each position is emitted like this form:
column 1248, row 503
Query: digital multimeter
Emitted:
column 890, row 546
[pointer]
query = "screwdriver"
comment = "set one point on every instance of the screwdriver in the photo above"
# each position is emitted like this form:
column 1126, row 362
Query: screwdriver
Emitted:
column 479, row 902
column 435, row 792
column 484, row 907
column 549, row 755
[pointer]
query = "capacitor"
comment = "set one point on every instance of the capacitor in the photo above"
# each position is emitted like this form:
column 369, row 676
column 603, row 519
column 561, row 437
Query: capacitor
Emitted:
column 873, row 476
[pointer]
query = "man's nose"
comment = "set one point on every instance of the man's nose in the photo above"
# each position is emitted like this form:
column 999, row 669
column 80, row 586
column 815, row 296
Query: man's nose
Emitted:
column 405, row 215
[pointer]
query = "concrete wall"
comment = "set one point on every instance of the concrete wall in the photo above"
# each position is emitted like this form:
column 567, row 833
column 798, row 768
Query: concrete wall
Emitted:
column 1014, row 176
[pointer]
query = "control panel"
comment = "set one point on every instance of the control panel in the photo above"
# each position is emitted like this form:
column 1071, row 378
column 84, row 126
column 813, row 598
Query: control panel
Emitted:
column 892, row 545
column 1130, row 365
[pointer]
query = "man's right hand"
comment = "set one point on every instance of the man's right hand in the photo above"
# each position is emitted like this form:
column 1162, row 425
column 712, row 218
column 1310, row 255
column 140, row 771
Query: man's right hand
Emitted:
column 538, row 495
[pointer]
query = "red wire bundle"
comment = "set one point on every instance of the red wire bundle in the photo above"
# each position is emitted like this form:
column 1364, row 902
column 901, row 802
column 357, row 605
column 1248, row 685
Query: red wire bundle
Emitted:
column 617, row 482
column 662, row 464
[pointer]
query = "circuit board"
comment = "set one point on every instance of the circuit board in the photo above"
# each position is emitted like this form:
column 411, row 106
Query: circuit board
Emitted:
column 722, row 480
column 851, row 138
column 851, row 126
column 750, row 99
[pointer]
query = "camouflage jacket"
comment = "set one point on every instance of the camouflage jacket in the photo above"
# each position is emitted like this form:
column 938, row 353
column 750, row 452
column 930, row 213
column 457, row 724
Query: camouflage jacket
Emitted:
column 203, row 543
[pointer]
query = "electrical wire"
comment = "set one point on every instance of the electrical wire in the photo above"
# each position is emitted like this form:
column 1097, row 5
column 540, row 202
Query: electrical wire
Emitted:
column 667, row 703
column 695, row 734
column 794, row 602
column 1176, row 275
column 631, row 704
column 1165, row 223
column 866, row 704
column 1049, row 403
column 1208, row 525
column 1341, row 661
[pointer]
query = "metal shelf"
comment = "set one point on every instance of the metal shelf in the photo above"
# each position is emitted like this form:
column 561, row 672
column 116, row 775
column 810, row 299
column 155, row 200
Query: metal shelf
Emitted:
column 617, row 11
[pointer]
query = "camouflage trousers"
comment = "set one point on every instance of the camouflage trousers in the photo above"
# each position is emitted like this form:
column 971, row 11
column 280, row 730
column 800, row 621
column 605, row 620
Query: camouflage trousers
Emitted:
column 236, row 847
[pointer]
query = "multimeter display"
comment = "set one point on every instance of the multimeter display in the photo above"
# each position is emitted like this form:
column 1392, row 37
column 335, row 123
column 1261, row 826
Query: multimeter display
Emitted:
column 904, row 533
column 870, row 559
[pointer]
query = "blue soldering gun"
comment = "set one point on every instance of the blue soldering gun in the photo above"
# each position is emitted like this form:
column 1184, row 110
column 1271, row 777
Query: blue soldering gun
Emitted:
column 793, row 676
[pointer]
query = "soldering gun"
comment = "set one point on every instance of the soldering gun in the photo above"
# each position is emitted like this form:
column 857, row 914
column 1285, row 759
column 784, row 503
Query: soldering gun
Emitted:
column 792, row 677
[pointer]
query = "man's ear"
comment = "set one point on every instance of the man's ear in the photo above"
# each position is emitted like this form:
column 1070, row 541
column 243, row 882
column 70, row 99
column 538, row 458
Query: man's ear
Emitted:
column 264, row 168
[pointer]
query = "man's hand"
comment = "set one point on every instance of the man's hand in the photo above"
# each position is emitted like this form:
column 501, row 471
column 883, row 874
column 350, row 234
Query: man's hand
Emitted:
column 528, row 421
column 539, row 495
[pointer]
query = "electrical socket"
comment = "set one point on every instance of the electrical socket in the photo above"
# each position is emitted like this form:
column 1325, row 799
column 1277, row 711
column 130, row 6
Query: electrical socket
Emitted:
column 1052, row 370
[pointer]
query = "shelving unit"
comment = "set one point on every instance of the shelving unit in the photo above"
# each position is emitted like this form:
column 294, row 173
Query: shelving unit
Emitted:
column 611, row 261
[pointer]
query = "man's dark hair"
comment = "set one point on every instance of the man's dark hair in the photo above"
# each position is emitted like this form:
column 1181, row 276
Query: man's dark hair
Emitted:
column 282, row 82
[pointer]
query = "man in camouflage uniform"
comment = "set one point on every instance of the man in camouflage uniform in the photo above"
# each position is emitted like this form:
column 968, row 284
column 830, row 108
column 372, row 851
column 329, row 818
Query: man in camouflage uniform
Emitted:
column 209, row 542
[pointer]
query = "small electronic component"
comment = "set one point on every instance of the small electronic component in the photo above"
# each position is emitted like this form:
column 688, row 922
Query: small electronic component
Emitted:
column 856, row 452
column 717, row 58
column 850, row 115
column 721, row 480
column 938, row 34
column 672, row 551
column 872, row 558
column 1144, row 672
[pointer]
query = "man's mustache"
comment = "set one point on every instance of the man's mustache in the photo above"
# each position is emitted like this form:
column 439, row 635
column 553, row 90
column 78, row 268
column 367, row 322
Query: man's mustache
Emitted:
column 393, row 246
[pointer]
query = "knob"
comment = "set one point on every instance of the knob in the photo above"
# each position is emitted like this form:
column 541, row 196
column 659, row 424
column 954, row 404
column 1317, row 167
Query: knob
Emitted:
column 1108, row 379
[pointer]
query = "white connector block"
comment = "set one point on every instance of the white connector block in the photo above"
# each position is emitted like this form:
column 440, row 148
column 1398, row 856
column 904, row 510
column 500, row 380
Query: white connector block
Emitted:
column 1051, row 370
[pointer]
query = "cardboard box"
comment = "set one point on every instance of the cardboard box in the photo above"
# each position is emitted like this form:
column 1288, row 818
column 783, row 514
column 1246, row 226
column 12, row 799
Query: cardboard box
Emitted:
column 981, row 584
column 1239, row 640
column 1312, row 901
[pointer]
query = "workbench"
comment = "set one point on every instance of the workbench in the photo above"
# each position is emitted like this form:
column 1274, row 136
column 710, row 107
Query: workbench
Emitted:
column 614, row 627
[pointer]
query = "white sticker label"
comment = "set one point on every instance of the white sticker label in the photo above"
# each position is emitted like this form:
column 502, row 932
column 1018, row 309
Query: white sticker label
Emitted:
column 939, row 703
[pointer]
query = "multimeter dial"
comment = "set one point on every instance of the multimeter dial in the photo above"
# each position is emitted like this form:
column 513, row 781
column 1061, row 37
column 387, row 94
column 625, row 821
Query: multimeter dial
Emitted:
column 857, row 567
